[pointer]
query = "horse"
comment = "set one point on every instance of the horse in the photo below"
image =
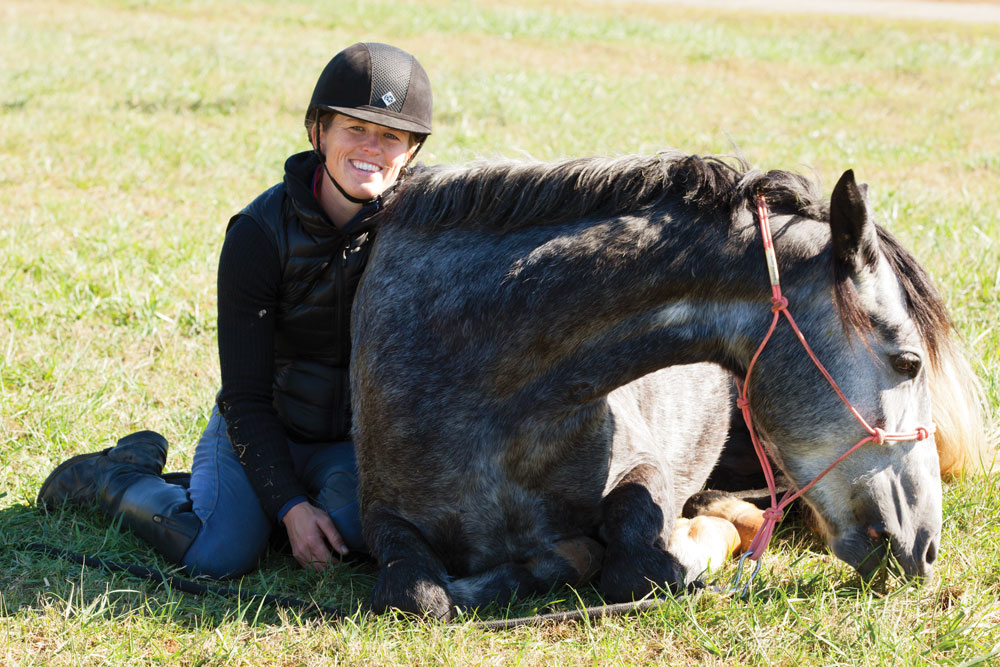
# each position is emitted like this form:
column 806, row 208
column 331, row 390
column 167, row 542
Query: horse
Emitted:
column 543, row 360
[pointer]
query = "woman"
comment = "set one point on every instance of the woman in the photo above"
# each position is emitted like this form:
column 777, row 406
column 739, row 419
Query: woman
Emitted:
column 277, row 449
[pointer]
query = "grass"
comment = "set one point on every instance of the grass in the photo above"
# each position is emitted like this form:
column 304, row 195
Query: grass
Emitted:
column 130, row 131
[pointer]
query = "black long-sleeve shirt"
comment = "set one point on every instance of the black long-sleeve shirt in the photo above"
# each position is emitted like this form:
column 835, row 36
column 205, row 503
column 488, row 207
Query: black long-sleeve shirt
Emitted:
column 248, row 281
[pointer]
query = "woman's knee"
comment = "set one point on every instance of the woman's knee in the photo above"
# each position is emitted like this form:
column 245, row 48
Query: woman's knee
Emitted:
column 235, row 531
column 226, row 553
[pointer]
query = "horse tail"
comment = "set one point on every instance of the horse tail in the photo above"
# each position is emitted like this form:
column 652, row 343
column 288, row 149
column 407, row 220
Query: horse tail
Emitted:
column 965, row 445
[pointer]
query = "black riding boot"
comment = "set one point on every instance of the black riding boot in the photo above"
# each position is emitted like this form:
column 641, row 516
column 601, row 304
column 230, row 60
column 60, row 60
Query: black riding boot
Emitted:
column 125, row 482
column 160, row 513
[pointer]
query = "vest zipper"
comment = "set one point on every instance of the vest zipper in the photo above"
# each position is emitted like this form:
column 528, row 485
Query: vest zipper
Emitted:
column 341, row 278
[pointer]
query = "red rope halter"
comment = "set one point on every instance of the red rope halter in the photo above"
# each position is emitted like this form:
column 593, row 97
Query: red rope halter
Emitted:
column 779, row 305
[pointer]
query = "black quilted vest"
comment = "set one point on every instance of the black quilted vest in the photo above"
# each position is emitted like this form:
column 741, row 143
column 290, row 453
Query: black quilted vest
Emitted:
column 321, row 268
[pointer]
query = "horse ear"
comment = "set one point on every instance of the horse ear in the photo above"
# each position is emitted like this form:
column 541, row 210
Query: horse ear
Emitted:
column 852, row 227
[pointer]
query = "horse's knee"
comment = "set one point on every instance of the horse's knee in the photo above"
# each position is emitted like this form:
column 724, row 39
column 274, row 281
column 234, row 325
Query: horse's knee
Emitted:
column 411, row 577
column 630, row 574
column 637, row 519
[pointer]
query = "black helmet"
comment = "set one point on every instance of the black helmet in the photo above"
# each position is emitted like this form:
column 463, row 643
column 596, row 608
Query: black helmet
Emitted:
column 377, row 83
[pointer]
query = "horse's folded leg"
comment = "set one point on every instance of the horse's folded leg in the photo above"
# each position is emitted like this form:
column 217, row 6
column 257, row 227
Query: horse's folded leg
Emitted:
column 632, row 574
column 498, row 585
column 746, row 517
column 572, row 561
column 636, row 516
column 411, row 578
column 411, row 588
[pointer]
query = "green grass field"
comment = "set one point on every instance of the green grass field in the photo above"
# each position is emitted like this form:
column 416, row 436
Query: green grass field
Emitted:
column 131, row 131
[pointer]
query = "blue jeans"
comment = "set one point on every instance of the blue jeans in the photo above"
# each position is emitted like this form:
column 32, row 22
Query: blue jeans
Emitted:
column 234, row 529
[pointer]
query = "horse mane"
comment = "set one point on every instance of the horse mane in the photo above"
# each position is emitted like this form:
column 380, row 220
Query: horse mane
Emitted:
column 490, row 195
column 508, row 194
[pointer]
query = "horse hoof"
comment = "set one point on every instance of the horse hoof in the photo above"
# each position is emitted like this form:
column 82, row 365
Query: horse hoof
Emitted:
column 411, row 590
column 702, row 544
column 631, row 575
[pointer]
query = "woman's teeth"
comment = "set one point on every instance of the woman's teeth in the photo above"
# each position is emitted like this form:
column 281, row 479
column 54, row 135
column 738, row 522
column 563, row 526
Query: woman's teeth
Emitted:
column 365, row 166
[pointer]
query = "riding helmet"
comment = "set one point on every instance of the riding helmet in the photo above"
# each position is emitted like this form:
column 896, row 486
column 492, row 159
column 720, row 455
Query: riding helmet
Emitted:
column 377, row 83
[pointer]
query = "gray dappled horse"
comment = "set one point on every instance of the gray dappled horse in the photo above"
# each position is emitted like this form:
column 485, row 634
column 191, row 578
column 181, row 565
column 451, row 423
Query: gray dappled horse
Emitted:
column 527, row 386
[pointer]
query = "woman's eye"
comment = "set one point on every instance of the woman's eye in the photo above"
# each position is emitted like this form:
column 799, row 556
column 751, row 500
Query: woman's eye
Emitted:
column 906, row 363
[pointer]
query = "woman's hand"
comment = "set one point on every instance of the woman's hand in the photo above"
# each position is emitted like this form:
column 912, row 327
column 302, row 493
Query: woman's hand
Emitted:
column 310, row 529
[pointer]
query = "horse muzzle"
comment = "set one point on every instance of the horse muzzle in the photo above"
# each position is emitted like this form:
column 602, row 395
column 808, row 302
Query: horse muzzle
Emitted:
column 868, row 550
column 897, row 517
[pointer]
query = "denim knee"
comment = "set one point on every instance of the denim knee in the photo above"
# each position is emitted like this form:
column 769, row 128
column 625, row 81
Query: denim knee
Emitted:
column 222, row 554
column 235, row 530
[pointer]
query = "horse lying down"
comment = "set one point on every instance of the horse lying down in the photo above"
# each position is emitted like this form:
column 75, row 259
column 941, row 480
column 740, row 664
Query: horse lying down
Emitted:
column 542, row 373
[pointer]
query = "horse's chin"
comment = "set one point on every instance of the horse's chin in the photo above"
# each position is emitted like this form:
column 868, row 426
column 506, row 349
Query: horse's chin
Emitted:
column 869, row 556
column 859, row 552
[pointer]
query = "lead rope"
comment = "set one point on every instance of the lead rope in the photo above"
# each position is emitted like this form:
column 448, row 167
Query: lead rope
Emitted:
column 776, row 512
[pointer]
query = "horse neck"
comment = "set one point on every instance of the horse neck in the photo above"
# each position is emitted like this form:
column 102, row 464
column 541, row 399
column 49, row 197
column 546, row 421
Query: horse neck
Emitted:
column 621, row 299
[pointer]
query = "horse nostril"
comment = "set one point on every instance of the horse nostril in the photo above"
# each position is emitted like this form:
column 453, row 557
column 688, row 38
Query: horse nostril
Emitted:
column 877, row 532
column 931, row 554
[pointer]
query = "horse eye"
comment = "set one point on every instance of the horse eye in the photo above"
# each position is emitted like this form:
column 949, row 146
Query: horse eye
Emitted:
column 906, row 363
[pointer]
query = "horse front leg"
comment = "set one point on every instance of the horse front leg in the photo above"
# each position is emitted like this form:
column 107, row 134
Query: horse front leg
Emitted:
column 567, row 561
column 411, row 577
column 637, row 518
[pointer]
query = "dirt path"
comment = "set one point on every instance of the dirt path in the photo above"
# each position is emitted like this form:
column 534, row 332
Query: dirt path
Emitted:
column 965, row 12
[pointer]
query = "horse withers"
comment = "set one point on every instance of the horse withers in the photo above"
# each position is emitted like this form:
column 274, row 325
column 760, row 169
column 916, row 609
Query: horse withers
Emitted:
column 542, row 372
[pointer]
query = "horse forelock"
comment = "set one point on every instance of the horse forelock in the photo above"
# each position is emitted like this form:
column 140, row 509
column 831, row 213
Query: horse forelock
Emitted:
column 923, row 301
column 791, row 193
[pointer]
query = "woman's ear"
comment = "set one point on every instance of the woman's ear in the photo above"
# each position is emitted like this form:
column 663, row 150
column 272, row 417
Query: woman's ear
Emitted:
column 412, row 151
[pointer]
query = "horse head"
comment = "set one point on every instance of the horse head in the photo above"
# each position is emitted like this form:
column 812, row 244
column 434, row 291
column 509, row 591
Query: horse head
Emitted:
column 875, row 332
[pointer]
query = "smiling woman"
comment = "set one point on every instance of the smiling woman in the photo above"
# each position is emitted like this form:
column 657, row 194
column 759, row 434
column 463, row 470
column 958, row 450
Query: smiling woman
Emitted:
column 361, row 160
column 277, row 448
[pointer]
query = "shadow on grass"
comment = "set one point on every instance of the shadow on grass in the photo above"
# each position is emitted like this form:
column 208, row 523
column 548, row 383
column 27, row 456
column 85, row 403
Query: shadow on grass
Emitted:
column 34, row 581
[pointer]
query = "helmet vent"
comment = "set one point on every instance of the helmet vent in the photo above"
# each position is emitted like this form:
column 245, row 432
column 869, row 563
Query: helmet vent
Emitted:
column 390, row 76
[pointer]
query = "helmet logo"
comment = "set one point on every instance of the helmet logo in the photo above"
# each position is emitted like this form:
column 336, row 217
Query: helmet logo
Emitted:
column 388, row 99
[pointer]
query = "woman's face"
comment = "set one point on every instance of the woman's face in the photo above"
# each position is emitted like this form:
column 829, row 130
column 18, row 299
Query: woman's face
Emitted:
column 363, row 157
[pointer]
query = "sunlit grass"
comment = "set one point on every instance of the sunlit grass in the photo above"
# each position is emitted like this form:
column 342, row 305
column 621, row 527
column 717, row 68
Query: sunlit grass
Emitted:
column 131, row 131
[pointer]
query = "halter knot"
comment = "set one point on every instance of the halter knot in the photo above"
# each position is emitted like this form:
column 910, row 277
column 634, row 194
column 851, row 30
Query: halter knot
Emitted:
column 742, row 403
column 773, row 514
column 778, row 303
column 922, row 433
column 878, row 436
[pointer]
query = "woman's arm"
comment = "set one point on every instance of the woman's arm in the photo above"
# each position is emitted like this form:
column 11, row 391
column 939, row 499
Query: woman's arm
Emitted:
column 249, row 278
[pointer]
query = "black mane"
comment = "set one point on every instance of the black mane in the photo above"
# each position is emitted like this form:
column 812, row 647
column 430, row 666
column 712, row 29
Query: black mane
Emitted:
column 511, row 194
